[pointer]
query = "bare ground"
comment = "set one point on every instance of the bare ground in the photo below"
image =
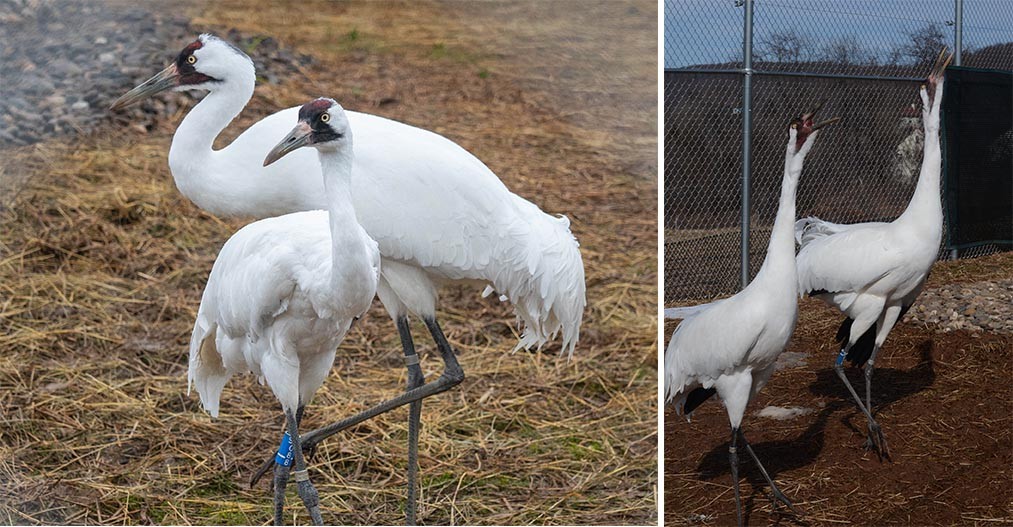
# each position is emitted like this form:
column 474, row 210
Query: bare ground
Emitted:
column 943, row 397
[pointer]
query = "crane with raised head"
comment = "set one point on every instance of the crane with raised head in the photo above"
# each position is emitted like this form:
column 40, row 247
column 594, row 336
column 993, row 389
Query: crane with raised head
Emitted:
column 438, row 214
column 872, row 272
column 730, row 346
column 283, row 293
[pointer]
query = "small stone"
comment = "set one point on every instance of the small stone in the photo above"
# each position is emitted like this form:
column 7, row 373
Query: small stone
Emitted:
column 106, row 57
column 101, row 40
column 80, row 105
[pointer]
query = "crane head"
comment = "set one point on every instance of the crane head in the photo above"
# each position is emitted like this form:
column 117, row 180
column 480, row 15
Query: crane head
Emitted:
column 322, row 124
column 203, row 64
column 805, row 125
column 938, row 69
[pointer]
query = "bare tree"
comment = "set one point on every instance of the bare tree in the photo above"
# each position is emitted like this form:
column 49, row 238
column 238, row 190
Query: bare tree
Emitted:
column 847, row 50
column 924, row 45
column 785, row 46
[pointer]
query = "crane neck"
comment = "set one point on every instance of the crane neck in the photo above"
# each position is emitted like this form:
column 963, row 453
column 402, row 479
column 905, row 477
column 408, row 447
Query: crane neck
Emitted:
column 193, row 142
column 780, row 259
column 346, row 237
column 925, row 210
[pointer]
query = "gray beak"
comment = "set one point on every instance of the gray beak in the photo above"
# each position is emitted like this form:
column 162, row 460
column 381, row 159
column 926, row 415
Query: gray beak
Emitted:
column 163, row 80
column 300, row 136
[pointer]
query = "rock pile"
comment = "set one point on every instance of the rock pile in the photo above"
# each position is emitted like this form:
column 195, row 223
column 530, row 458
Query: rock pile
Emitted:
column 64, row 62
column 980, row 306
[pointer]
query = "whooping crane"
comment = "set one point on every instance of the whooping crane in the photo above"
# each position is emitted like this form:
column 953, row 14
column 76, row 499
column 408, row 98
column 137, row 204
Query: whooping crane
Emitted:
column 284, row 291
column 438, row 214
column 873, row 272
column 730, row 346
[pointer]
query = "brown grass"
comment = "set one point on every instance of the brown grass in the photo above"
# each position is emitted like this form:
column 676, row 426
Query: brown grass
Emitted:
column 102, row 263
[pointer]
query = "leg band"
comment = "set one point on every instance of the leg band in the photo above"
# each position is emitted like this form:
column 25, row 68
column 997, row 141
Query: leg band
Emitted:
column 301, row 475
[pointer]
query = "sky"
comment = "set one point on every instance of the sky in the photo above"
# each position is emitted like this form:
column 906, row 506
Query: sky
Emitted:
column 709, row 31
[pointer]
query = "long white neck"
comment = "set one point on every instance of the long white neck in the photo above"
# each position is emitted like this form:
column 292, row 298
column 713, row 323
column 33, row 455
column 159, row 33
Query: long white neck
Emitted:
column 925, row 210
column 780, row 259
column 346, row 237
column 191, row 149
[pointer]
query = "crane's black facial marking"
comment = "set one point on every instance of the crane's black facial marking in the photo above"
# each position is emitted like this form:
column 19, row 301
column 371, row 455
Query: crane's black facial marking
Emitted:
column 312, row 113
column 187, row 73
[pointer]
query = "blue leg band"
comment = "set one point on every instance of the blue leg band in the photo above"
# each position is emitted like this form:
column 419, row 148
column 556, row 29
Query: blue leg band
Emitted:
column 284, row 455
column 840, row 357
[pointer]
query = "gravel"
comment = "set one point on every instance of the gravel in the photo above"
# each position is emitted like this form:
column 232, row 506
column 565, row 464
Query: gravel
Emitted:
column 979, row 306
column 63, row 63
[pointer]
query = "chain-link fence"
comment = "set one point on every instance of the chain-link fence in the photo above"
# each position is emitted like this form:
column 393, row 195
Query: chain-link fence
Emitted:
column 864, row 58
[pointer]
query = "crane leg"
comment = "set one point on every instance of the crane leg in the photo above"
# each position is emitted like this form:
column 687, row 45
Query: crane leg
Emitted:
column 839, row 369
column 415, row 379
column 280, row 481
column 778, row 495
column 307, row 492
column 876, row 441
column 733, row 460
column 452, row 376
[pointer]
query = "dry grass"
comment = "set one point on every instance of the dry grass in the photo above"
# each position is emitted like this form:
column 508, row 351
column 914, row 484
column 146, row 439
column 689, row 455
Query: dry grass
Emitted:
column 102, row 264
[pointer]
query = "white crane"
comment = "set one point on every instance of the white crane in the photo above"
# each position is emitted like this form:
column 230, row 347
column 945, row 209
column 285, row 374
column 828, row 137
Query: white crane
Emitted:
column 729, row 347
column 284, row 291
column 438, row 214
column 873, row 272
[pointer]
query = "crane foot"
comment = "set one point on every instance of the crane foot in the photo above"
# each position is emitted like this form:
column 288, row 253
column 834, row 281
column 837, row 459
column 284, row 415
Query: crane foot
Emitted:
column 877, row 442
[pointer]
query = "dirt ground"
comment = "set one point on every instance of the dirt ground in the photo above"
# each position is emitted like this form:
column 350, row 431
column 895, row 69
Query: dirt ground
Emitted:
column 944, row 400
column 102, row 263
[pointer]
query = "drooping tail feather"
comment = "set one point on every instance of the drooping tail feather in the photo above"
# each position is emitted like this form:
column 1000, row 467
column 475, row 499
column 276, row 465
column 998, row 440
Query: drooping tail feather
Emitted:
column 811, row 228
column 544, row 280
column 206, row 371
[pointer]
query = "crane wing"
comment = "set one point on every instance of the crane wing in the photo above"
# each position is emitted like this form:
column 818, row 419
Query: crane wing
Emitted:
column 685, row 312
column 850, row 260
column 259, row 270
column 813, row 228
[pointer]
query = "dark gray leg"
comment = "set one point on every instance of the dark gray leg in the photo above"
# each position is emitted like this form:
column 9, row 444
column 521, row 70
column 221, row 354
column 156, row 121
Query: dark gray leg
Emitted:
column 281, row 479
column 733, row 460
column 415, row 379
column 875, row 441
column 452, row 376
column 778, row 495
column 873, row 425
column 306, row 491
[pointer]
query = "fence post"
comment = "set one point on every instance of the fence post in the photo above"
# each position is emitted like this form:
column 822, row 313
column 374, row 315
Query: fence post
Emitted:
column 958, row 24
column 958, row 48
column 747, row 125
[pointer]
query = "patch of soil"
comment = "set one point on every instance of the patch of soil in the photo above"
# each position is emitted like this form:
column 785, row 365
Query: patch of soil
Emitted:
column 944, row 400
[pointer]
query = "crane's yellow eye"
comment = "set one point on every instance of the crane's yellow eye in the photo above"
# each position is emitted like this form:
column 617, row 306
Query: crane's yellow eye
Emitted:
column 325, row 117
column 191, row 59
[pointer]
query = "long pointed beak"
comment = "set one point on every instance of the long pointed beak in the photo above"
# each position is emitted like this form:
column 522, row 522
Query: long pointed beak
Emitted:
column 828, row 122
column 297, row 138
column 163, row 80
column 812, row 113
column 942, row 61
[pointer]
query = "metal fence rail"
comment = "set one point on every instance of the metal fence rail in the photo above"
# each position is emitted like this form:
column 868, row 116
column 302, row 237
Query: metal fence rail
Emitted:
column 865, row 58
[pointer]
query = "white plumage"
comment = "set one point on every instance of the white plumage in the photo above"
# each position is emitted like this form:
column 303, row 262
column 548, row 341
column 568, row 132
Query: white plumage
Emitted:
column 431, row 206
column 438, row 214
column 278, row 305
column 284, row 291
column 730, row 346
column 873, row 272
